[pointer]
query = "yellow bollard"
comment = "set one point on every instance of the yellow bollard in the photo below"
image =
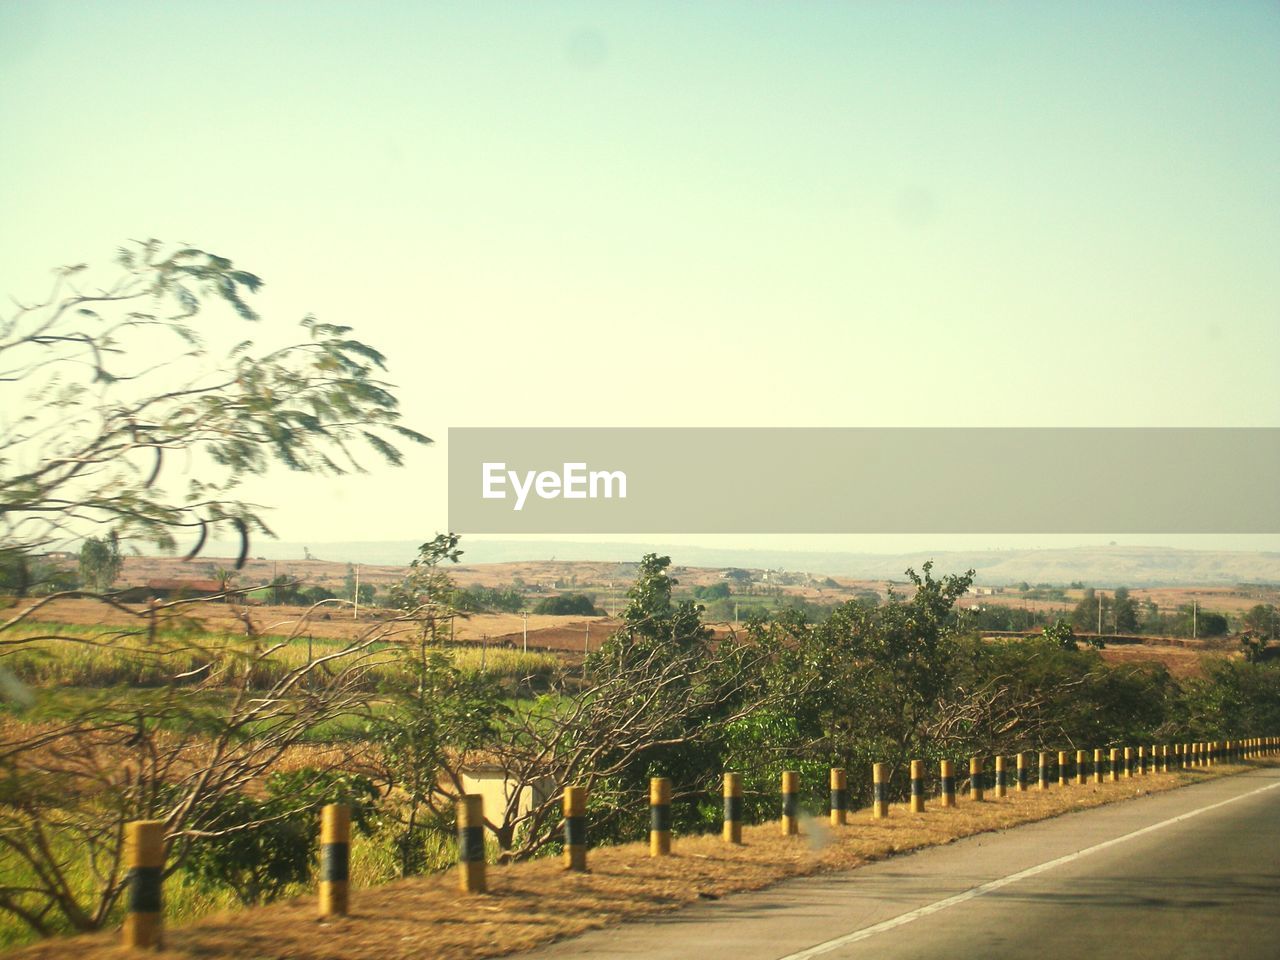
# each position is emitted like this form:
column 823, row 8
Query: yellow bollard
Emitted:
column 879, row 791
column 1115, row 764
column 1097, row 765
column 790, row 803
column 1082, row 761
column 335, row 858
column 471, row 843
column 1064, row 775
column 575, row 828
column 659, row 817
column 917, row 786
column 1022, row 772
column 144, row 858
column 839, row 797
column 1044, row 770
column 1002, row 785
column 975, row 778
column 1128, row 763
column 948, row 785
column 733, row 808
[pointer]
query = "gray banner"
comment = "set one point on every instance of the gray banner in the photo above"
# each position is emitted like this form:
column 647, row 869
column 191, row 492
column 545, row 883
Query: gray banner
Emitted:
column 820, row 480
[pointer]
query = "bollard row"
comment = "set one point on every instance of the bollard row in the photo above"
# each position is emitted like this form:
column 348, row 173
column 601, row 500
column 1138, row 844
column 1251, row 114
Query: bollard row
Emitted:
column 144, row 842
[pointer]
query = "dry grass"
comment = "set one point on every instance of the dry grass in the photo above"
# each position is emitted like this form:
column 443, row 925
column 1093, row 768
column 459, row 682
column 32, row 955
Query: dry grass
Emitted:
column 537, row 902
column 332, row 622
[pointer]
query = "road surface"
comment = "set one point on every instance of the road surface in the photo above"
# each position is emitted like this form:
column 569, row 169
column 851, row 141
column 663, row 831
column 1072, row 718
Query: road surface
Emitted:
column 1189, row 873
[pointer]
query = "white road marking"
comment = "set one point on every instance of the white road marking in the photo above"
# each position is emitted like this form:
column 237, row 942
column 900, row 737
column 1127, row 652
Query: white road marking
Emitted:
column 986, row 888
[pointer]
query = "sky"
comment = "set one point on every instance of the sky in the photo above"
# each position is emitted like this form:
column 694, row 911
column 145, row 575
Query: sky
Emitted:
column 712, row 214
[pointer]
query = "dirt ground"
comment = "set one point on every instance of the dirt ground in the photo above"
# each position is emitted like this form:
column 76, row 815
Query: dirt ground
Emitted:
column 1181, row 662
column 537, row 902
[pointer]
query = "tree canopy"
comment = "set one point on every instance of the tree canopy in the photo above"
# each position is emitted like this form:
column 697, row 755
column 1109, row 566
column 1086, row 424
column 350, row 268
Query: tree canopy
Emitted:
column 111, row 380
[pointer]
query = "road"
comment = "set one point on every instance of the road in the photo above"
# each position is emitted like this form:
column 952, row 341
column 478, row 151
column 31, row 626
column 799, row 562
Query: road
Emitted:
column 1190, row 873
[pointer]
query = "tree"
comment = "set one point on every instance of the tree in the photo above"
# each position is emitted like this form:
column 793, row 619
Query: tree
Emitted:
column 1263, row 621
column 108, row 380
column 179, row 751
column 1085, row 616
column 1124, row 611
column 721, row 591
column 1060, row 635
column 657, row 698
column 568, row 604
column 259, row 864
column 100, row 562
column 105, row 385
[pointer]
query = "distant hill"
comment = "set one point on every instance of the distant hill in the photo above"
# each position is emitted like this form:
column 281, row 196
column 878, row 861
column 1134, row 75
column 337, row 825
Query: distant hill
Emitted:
column 1098, row 566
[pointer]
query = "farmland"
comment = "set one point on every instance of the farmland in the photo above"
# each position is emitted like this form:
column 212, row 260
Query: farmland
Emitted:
column 240, row 707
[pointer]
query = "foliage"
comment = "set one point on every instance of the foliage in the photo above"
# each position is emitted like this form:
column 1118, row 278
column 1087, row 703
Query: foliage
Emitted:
column 213, row 721
column 23, row 575
column 100, row 562
column 260, row 845
column 109, row 379
column 568, row 604
column 1061, row 634
column 1086, row 616
column 717, row 591
column 434, row 709
column 1124, row 611
column 1263, row 621
column 490, row 599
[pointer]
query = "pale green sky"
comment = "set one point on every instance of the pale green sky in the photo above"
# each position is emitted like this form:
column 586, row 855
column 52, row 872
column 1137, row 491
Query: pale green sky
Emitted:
column 738, row 214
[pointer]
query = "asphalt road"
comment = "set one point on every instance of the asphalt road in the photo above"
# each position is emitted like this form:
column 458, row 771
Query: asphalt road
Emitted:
column 1190, row 873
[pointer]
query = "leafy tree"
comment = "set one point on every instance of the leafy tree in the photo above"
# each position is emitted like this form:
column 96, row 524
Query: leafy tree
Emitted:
column 1124, row 611
column 226, row 578
column 105, row 386
column 1060, row 634
column 100, row 562
column 1085, row 615
column 316, row 594
column 287, row 590
column 260, row 845
column 568, row 604
column 477, row 599
column 95, row 419
column 1263, row 621
column 427, row 586
column 720, row 591
column 885, row 670
column 435, row 711
column 1195, row 621
column 22, row 575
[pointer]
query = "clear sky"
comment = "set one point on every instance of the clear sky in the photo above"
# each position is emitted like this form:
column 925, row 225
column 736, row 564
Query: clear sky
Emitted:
column 721, row 214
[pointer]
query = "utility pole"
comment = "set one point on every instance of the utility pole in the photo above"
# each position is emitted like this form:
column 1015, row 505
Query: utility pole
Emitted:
column 355, row 611
column 526, row 630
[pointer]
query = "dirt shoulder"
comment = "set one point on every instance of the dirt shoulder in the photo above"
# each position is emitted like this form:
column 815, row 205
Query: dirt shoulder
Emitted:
column 538, row 902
